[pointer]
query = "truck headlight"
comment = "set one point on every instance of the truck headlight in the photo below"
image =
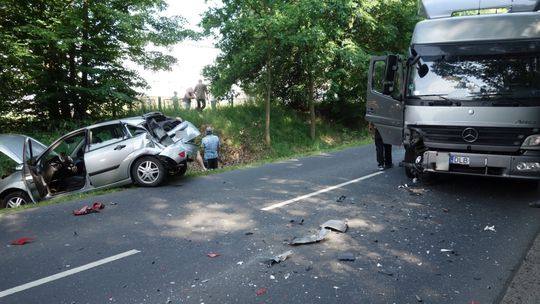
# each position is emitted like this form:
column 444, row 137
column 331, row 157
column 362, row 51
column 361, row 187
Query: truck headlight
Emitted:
column 528, row 166
column 531, row 141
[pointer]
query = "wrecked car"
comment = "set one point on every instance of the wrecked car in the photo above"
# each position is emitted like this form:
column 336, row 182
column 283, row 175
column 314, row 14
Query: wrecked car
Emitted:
column 142, row 150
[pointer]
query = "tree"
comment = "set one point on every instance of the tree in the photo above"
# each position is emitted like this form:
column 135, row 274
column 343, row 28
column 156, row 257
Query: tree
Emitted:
column 249, row 33
column 69, row 56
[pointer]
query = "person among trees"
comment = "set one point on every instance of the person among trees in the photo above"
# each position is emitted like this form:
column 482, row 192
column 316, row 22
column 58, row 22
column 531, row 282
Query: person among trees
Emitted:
column 384, row 151
column 175, row 101
column 210, row 145
column 201, row 92
column 187, row 98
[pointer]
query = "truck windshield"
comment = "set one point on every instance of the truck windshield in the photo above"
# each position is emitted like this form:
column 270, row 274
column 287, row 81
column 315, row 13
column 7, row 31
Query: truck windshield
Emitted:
column 498, row 76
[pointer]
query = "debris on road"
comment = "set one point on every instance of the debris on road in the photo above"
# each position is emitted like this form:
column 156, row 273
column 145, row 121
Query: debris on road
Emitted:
column 113, row 203
column 490, row 228
column 346, row 256
column 248, row 233
column 418, row 298
column 86, row 209
column 535, row 205
column 412, row 190
column 314, row 238
column 336, row 225
column 388, row 273
column 278, row 258
column 341, row 199
column 240, row 262
column 22, row 241
column 261, row 291
column 213, row 254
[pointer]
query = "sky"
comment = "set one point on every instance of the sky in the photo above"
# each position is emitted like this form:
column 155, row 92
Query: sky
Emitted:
column 192, row 56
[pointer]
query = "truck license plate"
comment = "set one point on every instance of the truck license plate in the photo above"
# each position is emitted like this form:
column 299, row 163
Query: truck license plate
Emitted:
column 459, row 160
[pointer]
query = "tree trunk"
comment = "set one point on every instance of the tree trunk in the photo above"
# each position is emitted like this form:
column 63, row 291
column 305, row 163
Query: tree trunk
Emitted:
column 312, row 106
column 81, row 102
column 268, row 95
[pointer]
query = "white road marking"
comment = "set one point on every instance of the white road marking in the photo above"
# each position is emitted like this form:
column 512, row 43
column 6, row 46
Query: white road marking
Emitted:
column 285, row 203
column 64, row 274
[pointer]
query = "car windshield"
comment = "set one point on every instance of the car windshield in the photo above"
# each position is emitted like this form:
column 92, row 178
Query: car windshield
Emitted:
column 505, row 76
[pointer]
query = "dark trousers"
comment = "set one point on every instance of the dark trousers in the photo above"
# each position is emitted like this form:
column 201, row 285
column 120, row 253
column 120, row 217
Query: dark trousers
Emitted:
column 201, row 104
column 211, row 163
column 384, row 151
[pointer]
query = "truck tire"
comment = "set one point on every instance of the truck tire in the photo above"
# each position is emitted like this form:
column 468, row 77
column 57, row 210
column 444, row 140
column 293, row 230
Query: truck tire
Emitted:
column 410, row 156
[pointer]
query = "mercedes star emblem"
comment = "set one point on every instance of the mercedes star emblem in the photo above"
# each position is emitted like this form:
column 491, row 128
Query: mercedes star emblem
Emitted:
column 469, row 135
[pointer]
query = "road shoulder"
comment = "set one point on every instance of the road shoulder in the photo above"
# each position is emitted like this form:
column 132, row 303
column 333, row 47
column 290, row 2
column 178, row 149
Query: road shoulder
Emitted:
column 525, row 286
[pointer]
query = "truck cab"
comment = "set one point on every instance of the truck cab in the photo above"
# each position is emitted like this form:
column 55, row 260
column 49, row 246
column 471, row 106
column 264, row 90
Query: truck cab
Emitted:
column 466, row 99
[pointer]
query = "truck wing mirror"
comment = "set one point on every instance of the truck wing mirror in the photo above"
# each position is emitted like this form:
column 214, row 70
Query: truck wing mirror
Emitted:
column 423, row 69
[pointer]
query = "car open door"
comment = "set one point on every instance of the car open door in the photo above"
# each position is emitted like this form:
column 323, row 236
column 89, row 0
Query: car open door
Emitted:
column 33, row 181
column 384, row 106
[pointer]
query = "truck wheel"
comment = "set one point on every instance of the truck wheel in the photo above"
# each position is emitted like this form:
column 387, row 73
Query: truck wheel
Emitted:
column 148, row 171
column 16, row 199
column 410, row 156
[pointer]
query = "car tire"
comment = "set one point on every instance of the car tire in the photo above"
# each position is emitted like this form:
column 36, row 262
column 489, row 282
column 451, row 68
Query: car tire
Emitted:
column 16, row 199
column 148, row 171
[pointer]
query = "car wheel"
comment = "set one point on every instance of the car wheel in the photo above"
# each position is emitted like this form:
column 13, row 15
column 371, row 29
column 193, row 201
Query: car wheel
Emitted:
column 148, row 172
column 16, row 199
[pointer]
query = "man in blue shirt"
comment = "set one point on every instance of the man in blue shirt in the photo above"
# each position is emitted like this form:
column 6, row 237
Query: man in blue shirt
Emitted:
column 210, row 145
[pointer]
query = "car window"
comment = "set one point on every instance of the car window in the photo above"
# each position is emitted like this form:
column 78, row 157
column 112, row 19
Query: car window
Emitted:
column 134, row 131
column 107, row 135
column 72, row 146
column 7, row 166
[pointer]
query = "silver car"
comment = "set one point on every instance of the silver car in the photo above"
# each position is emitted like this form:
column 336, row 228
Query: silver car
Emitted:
column 142, row 150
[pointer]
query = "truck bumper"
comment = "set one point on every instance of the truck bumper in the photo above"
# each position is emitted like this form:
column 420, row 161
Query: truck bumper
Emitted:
column 511, row 166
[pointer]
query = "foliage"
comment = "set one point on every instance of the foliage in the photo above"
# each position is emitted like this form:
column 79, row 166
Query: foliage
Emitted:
column 319, row 49
column 67, row 58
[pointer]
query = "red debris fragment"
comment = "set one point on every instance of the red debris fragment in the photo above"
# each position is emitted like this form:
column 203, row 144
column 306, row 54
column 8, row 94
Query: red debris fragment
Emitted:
column 213, row 255
column 22, row 241
column 261, row 291
column 85, row 210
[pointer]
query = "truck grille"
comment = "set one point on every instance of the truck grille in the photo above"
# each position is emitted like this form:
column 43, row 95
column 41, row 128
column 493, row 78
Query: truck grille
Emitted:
column 509, row 139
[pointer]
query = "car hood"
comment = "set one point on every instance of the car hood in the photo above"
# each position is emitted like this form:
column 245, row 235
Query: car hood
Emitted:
column 12, row 146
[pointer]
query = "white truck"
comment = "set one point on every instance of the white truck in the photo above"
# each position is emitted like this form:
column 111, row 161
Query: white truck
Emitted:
column 467, row 98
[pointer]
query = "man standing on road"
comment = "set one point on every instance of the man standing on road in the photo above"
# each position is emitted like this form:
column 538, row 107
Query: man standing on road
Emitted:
column 384, row 151
column 201, row 92
column 210, row 145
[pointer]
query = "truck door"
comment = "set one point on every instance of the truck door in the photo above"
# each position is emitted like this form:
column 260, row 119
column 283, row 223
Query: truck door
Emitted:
column 384, row 106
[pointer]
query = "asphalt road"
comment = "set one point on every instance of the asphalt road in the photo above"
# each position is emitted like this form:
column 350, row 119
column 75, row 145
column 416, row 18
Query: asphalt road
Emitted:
column 152, row 246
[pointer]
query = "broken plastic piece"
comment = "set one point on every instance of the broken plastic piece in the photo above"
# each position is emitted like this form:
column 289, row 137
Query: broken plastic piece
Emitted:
column 261, row 291
column 314, row 238
column 278, row 258
column 490, row 228
column 22, row 241
column 346, row 256
column 336, row 225
column 213, row 255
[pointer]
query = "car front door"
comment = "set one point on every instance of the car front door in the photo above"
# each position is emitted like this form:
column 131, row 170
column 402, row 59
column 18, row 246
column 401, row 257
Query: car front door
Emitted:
column 109, row 145
column 384, row 106
column 32, row 179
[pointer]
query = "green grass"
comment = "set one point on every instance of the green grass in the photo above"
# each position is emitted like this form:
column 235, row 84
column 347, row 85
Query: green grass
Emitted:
column 241, row 129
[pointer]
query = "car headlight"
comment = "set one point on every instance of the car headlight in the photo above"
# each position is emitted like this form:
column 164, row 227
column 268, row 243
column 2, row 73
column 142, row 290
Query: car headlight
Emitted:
column 531, row 141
